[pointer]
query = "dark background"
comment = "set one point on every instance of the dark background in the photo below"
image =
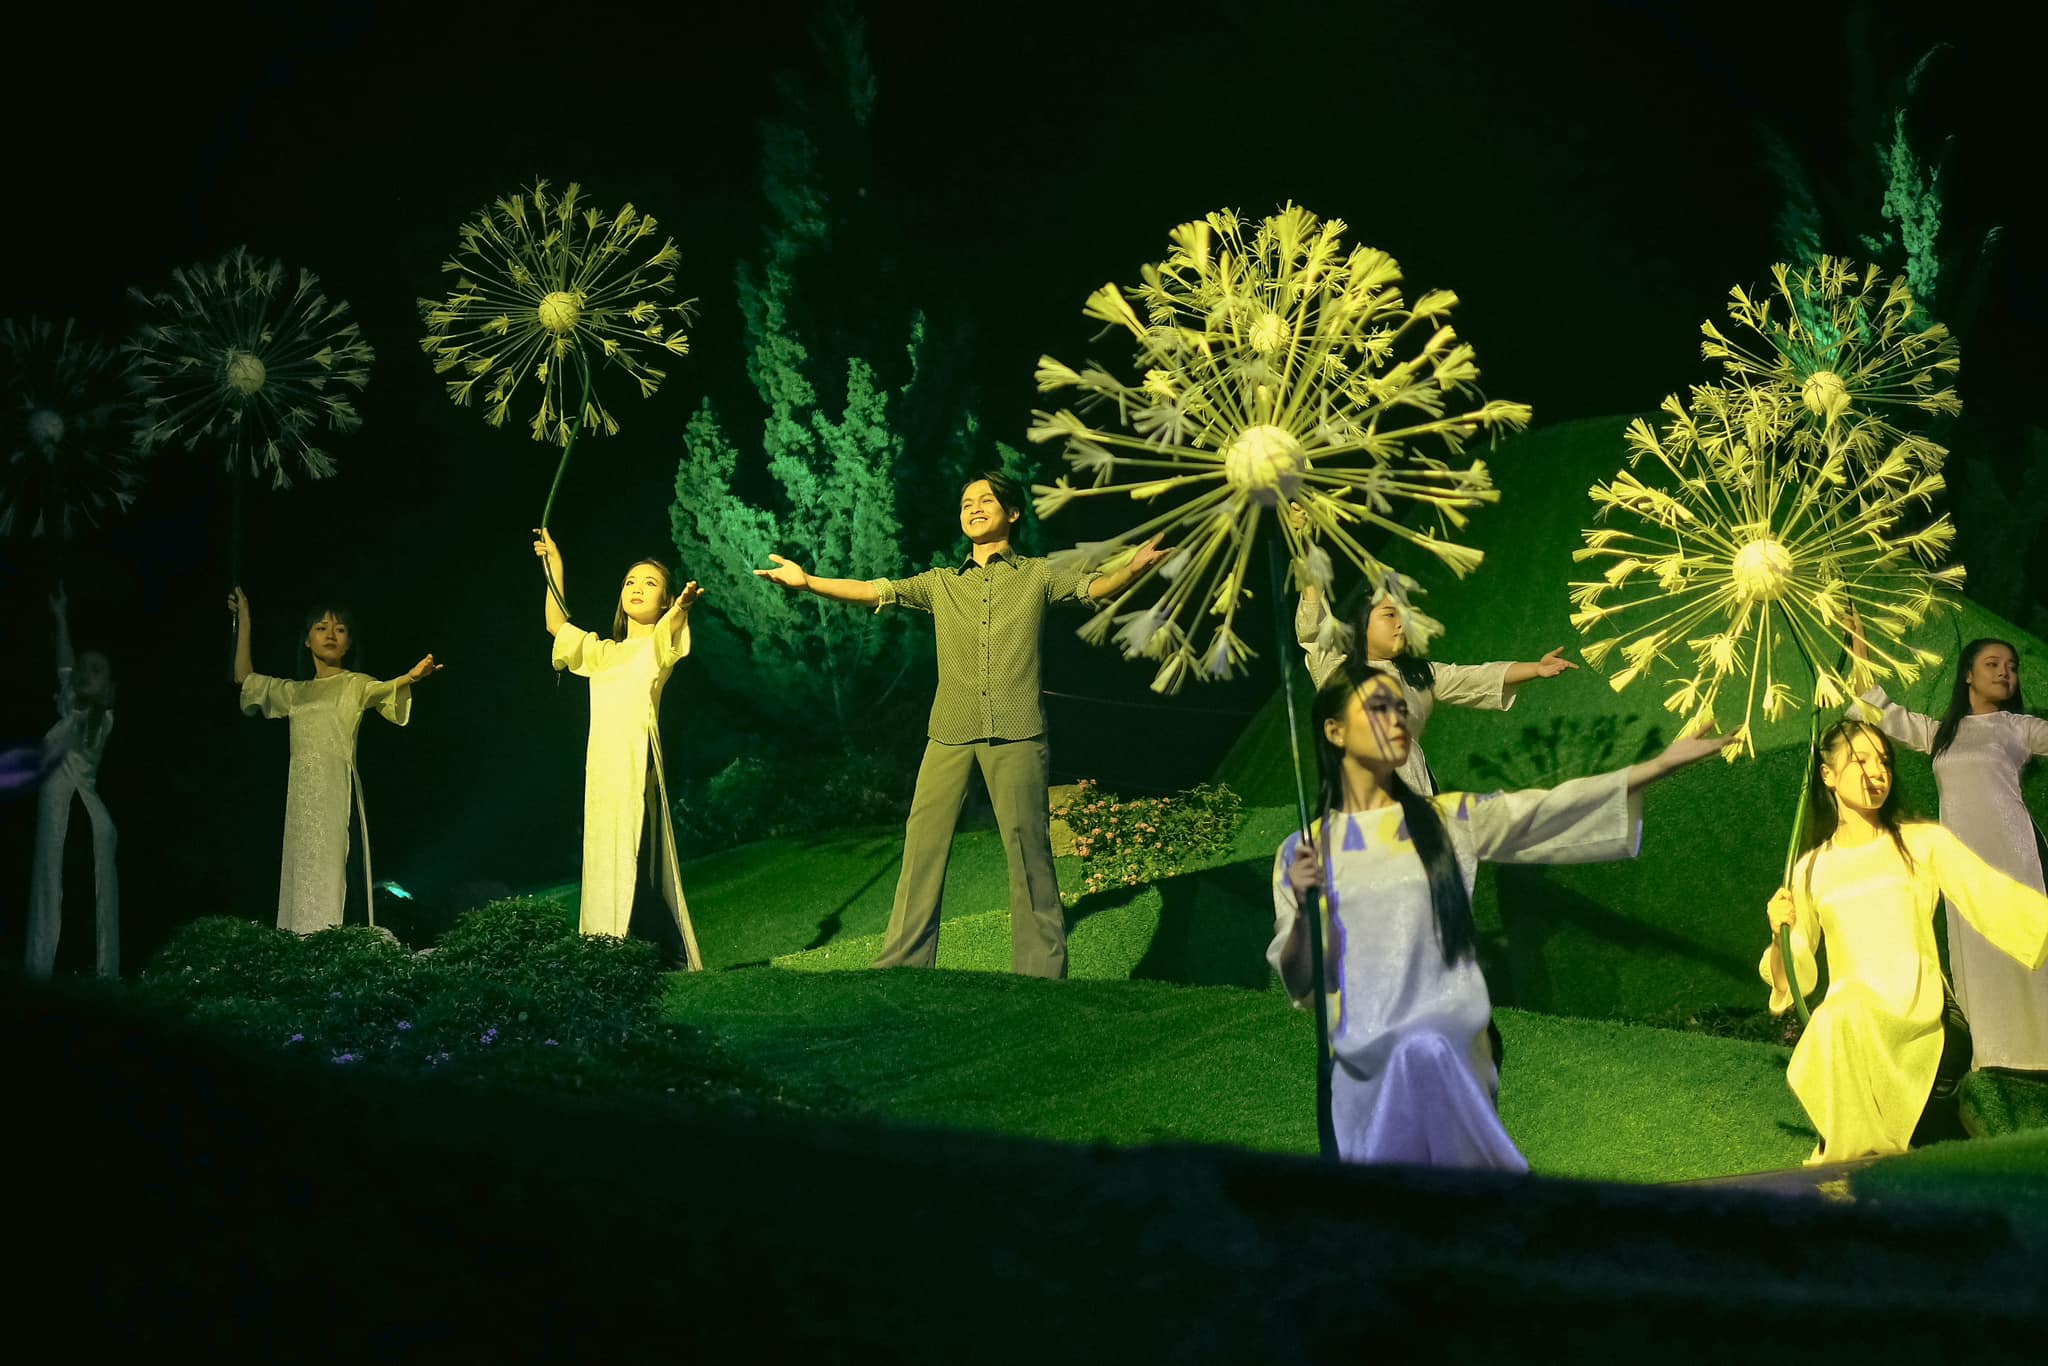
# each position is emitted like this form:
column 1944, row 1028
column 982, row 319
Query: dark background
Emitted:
column 1587, row 176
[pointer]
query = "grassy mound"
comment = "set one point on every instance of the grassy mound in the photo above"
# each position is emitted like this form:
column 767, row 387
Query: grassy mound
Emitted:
column 1681, row 927
column 1150, row 1062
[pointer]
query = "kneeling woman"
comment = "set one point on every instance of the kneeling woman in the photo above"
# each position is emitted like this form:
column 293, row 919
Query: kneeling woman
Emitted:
column 1888, row 1045
column 1415, row 1076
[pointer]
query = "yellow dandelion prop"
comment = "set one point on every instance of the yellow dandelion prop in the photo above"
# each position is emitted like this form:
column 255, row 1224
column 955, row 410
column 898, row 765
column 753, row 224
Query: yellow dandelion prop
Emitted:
column 544, row 290
column 69, row 459
column 1853, row 347
column 240, row 353
column 1740, row 545
column 1277, row 368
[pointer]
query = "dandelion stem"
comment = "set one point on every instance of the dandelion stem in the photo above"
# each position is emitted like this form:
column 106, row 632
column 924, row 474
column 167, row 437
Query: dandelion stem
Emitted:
column 1311, row 900
column 1799, row 829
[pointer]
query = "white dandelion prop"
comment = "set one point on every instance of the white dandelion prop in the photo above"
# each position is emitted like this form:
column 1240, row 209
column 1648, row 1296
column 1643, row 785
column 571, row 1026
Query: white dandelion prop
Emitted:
column 545, row 290
column 70, row 460
column 247, row 356
column 1865, row 362
column 1734, row 545
column 1276, row 369
column 1278, row 373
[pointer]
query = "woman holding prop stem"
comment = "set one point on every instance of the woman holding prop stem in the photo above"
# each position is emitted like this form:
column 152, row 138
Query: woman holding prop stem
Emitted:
column 1879, row 1063
column 1980, row 746
column 1415, row 1076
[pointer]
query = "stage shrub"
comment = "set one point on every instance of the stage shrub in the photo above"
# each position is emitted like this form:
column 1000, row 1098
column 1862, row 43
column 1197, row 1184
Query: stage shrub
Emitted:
column 1124, row 842
column 513, row 995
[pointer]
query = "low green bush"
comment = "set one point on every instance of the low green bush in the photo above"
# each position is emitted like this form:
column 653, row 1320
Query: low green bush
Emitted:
column 513, row 995
column 1127, row 842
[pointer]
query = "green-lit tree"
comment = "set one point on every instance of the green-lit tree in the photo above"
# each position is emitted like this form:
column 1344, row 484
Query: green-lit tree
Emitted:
column 867, row 427
column 1885, row 203
column 1888, row 202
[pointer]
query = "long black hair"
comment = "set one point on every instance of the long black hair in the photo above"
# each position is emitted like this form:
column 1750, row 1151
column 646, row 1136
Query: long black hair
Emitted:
column 319, row 612
column 1959, row 698
column 1456, row 935
column 668, row 590
column 1823, row 815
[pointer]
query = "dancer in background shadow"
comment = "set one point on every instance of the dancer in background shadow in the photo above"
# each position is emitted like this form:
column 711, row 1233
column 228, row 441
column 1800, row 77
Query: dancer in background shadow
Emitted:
column 71, row 756
column 1980, row 746
column 1879, row 1063
column 326, row 710
column 1415, row 1078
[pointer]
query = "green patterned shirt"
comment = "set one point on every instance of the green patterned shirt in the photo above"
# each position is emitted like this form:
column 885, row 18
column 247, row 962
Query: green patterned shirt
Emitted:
column 988, row 619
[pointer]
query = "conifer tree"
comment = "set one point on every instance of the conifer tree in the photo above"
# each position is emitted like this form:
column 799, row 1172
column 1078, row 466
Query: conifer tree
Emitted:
column 842, row 366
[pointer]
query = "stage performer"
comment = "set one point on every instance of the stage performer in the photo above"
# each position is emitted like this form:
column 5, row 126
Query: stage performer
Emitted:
column 1979, row 746
column 1881, row 1059
column 1388, row 637
column 987, row 612
column 625, row 788
column 1415, row 1079
column 72, row 750
column 325, row 710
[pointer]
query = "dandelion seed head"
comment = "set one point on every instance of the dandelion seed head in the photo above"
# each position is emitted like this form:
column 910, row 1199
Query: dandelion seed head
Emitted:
column 244, row 373
column 1762, row 571
column 1825, row 396
column 1269, row 333
column 1265, row 463
column 559, row 312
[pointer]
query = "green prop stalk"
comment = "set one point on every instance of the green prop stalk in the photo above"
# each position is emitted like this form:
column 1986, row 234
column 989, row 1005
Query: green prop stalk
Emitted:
column 1311, row 900
column 234, row 556
column 1792, row 849
column 561, row 468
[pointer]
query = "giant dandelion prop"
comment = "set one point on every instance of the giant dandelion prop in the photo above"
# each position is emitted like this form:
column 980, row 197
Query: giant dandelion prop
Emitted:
column 1853, row 347
column 70, row 458
column 544, row 290
column 239, row 355
column 1741, row 544
column 1738, row 546
column 1276, row 369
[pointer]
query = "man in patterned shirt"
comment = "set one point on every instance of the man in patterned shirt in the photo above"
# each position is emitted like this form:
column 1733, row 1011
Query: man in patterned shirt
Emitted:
column 988, row 613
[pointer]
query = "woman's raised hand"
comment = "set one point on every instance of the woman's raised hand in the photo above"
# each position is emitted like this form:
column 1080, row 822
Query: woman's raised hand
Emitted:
column 422, row 671
column 1553, row 664
column 1780, row 912
column 548, row 552
column 238, row 604
column 688, row 598
column 786, row 572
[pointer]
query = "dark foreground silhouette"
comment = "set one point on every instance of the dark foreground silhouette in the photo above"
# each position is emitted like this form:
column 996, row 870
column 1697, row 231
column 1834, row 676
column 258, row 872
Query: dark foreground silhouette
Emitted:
column 176, row 1194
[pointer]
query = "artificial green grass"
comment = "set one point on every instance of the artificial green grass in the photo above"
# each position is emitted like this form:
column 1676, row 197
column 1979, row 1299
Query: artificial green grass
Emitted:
column 1681, row 927
column 1149, row 1062
column 2007, row 1174
column 1173, row 1027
